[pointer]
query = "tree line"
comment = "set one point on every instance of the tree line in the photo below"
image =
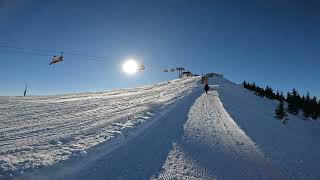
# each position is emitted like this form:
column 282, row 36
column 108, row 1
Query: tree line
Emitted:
column 308, row 105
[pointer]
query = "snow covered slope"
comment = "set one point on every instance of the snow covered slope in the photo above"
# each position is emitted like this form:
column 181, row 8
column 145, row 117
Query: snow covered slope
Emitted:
column 170, row 130
column 214, row 147
column 193, row 139
column 38, row 131
column 293, row 147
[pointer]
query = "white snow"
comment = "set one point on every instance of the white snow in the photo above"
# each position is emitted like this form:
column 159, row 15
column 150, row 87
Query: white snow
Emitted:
column 39, row 131
column 293, row 147
column 170, row 130
column 213, row 146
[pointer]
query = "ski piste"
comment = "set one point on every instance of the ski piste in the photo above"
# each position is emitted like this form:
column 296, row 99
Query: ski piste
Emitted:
column 169, row 130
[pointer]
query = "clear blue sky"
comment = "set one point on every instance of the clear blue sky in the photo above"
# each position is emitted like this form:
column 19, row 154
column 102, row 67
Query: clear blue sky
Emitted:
column 270, row 42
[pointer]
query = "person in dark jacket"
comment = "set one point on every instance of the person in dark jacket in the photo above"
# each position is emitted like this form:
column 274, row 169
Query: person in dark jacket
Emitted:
column 206, row 88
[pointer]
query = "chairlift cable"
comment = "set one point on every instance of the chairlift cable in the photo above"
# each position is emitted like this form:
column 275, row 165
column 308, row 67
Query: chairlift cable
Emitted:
column 31, row 52
column 53, row 53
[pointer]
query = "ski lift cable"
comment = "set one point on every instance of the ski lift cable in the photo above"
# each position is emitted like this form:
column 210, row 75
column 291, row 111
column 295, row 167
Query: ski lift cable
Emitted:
column 7, row 45
column 34, row 51
column 30, row 49
column 28, row 53
column 49, row 55
column 91, row 57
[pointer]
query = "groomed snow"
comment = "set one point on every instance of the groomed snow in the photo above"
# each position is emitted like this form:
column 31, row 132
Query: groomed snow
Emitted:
column 170, row 130
column 293, row 147
column 38, row 131
column 194, row 138
column 212, row 146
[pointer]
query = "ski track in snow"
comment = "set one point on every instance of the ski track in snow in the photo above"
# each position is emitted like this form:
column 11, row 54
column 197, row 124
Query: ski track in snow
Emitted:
column 194, row 139
column 292, row 147
column 38, row 131
column 215, row 147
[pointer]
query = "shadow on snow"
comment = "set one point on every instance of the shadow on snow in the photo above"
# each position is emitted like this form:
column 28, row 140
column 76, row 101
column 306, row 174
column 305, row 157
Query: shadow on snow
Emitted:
column 140, row 158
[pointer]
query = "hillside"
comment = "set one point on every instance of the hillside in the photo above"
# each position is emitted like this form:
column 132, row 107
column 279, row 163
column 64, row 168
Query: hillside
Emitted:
column 294, row 147
column 39, row 131
column 170, row 130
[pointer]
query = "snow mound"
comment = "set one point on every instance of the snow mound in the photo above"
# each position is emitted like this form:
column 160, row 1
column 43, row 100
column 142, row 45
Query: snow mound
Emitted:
column 214, row 147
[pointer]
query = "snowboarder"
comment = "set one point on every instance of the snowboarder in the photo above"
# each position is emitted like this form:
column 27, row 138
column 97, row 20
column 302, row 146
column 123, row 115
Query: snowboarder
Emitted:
column 206, row 88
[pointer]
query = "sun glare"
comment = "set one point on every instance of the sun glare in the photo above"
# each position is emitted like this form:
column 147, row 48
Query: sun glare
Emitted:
column 130, row 66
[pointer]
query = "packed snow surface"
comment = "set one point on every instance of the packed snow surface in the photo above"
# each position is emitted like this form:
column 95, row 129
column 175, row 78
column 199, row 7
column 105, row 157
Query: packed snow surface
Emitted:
column 212, row 146
column 170, row 130
column 294, row 147
column 194, row 139
column 38, row 131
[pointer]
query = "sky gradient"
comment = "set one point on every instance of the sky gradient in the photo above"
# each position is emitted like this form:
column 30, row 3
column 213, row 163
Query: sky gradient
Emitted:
column 270, row 42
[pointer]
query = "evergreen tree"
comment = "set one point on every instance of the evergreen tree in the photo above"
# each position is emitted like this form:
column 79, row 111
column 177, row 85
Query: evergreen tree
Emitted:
column 263, row 92
column 310, row 107
column 253, row 86
column 293, row 101
column 289, row 97
column 244, row 84
column 307, row 107
column 269, row 92
column 277, row 96
column 313, row 106
column 280, row 112
column 318, row 108
column 260, row 91
column 302, row 102
column 296, row 99
column 294, row 93
column 292, row 109
column 281, row 98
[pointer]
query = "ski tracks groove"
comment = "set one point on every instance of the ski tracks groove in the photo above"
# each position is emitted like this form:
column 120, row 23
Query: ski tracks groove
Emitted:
column 214, row 147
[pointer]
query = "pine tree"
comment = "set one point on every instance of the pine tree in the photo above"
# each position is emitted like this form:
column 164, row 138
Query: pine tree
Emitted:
column 282, row 98
column 302, row 102
column 289, row 97
column 244, row 84
column 280, row 112
column 294, row 93
column 260, row 91
column 269, row 92
column 307, row 107
column 313, row 106
column 293, row 101
column 310, row 107
column 292, row 109
column 318, row 108
column 253, row 86
column 277, row 96
column 296, row 99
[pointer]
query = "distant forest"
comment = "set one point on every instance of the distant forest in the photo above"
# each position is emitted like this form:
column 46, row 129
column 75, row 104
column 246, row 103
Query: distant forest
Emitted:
column 306, row 104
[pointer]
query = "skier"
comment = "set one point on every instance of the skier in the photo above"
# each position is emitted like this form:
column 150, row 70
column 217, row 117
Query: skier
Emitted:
column 206, row 88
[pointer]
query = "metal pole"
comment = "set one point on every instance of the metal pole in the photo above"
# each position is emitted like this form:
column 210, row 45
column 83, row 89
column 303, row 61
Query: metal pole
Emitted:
column 25, row 90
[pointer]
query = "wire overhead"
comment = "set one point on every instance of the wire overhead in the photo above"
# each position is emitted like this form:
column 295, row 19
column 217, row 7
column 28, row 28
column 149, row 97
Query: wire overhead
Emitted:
column 57, row 56
column 45, row 52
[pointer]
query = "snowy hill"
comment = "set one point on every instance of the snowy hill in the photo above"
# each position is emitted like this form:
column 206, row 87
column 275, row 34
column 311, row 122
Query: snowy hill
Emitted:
column 294, row 147
column 170, row 130
column 39, row 131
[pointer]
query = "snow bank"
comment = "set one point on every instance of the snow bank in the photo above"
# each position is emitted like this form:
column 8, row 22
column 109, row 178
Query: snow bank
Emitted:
column 214, row 147
column 294, row 147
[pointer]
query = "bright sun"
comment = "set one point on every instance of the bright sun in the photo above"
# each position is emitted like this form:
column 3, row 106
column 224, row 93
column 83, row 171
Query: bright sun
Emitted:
column 130, row 66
